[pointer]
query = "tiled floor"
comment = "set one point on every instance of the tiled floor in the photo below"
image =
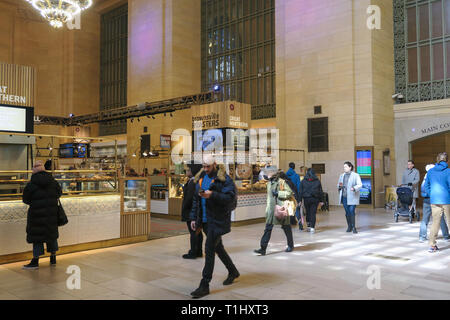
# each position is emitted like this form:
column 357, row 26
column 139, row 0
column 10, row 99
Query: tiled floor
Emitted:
column 329, row 264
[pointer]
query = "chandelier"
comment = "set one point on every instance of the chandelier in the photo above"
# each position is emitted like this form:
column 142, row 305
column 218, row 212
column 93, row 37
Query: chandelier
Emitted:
column 58, row 12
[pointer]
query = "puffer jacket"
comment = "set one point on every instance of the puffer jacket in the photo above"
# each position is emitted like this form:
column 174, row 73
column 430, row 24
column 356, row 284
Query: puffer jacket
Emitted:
column 218, row 213
column 42, row 194
column 437, row 184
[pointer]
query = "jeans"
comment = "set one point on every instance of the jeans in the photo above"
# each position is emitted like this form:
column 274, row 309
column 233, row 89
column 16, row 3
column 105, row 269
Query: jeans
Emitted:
column 311, row 205
column 349, row 209
column 196, row 241
column 298, row 216
column 426, row 219
column 268, row 232
column 213, row 245
column 38, row 248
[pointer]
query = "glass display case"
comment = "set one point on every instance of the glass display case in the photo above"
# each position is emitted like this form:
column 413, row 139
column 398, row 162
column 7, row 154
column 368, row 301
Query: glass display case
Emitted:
column 73, row 182
column 176, row 184
column 135, row 194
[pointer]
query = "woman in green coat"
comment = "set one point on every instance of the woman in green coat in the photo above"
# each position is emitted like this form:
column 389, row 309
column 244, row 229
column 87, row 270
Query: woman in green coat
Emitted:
column 278, row 191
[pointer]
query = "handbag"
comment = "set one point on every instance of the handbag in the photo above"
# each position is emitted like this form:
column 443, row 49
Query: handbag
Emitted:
column 61, row 214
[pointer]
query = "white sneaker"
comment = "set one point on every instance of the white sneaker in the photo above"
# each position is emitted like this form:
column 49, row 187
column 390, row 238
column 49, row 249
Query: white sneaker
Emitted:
column 311, row 230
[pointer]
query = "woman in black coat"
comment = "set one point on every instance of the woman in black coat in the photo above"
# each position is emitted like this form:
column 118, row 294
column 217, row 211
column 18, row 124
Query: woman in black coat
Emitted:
column 42, row 194
column 188, row 197
column 311, row 194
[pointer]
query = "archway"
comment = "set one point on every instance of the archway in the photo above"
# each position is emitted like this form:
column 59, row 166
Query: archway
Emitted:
column 425, row 150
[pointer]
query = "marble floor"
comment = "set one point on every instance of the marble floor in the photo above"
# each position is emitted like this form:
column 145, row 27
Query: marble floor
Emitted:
column 329, row 264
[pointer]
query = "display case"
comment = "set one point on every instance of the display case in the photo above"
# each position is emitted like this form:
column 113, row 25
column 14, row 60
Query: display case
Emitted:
column 135, row 195
column 134, row 207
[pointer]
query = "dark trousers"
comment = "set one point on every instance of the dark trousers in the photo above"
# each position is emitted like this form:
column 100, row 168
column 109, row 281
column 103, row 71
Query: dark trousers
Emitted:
column 311, row 205
column 196, row 241
column 38, row 248
column 268, row 232
column 213, row 245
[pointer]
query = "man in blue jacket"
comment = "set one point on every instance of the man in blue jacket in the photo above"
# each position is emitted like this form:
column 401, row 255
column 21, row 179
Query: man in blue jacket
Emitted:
column 214, row 199
column 294, row 177
column 437, row 186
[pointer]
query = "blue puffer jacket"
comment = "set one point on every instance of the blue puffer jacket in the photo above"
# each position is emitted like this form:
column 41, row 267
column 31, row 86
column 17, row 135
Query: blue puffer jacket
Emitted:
column 437, row 184
column 294, row 177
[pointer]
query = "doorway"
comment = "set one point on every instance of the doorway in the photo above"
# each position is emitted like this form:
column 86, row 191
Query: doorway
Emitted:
column 424, row 151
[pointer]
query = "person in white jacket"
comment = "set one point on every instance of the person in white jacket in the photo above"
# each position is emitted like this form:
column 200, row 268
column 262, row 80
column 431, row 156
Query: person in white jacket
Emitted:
column 349, row 185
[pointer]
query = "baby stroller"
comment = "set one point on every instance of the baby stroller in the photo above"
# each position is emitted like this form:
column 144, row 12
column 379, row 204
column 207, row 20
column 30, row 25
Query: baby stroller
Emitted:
column 404, row 200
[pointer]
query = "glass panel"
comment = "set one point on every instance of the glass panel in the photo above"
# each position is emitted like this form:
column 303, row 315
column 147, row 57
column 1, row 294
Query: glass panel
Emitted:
column 135, row 195
column 267, row 90
column 260, row 60
column 412, row 65
column 436, row 19
column 424, row 22
column 246, row 92
column 253, row 62
column 254, row 92
column 438, row 61
column 447, row 16
column 412, row 28
column 447, row 44
column 425, row 63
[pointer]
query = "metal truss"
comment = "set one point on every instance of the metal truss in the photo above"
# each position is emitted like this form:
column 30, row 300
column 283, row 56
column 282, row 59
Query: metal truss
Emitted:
column 136, row 111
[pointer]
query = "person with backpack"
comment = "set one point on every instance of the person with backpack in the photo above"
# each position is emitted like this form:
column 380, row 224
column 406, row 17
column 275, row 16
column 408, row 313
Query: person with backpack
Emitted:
column 311, row 194
column 437, row 186
column 215, row 198
column 295, row 186
column 42, row 194
column 278, row 193
column 427, row 212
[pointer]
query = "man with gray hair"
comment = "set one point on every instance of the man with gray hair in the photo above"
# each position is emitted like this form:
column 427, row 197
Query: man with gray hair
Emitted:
column 214, row 199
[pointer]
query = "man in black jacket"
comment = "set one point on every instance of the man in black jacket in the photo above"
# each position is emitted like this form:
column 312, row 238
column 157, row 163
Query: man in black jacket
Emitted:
column 188, row 198
column 211, row 210
column 42, row 194
column 312, row 195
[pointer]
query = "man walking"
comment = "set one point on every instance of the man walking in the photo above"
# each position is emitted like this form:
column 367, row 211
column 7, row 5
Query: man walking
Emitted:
column 214, row 199
column 437, row 186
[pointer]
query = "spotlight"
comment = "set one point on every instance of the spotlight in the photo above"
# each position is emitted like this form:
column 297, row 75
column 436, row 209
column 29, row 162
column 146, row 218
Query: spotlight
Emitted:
column 71, row 115
column 145, row 153
column 134, row 155
column 216, row 88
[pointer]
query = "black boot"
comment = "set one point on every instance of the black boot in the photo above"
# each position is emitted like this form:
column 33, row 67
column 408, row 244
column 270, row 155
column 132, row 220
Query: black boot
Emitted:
column 231, row 277
column 201, row 291
column 260, row 251
column 353, row 224
column 53, row 259
column 34, row 264
column 349, row 224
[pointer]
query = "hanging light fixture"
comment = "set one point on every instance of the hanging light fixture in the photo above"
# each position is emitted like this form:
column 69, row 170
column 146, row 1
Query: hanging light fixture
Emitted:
column 58, row 12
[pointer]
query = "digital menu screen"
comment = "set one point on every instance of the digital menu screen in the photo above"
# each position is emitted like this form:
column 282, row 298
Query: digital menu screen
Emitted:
column 16, row 119
column 364, row 162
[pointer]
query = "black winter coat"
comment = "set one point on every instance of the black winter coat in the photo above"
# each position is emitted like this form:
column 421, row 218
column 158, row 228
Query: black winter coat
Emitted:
column 311, row 188
column 42, row 194
column 188, row 198
column 218, row 212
